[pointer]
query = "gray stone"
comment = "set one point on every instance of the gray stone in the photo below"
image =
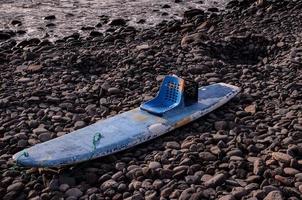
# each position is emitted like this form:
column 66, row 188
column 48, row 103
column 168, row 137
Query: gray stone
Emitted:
column 173, row 145
column 151, row 196
column 239, row 192
column 39, row 130
column 220, row 125
column 186, row 194
column 142, row 47
column 207, row 156
column 227, row 197
column 113, row 90
column 15, row 187
column 79, row 124
column 154, row 165
column 282, row 157
column 216, row 180
column 54, row 184
column 166, row 192
column 64, row 187
column 258, row 166
column 43, row 137
column 109, row 184
column 22, row 143
column 274, row 195
column 191, row 179
column 75, row 192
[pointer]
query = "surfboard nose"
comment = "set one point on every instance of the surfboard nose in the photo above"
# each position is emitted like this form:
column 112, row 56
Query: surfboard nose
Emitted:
column 22, row 158
column 34, row 160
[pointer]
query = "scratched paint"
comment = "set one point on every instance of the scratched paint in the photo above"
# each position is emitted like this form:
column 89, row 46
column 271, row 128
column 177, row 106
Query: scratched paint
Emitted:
column 123, row 131
column 158, row 128
column 183, row 122
column 140, row 117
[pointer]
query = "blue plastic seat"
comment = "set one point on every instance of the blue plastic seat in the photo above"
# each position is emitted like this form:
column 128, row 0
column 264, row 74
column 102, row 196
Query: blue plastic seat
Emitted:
column 170, row 96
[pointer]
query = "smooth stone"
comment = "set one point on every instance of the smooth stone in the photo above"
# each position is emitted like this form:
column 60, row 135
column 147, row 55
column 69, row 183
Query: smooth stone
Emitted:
column 274, row 195
column 173, row 145
column 227, row 197
column 54, row 184
column 75, row 192
column 166, row 192
column 79, row 124
column 114, row 90
column 50, row 17
column 15, row 187
column 207, row 156
column 109, row 184
column 118, row 22
column 16, row 22
column 282, row 157
column 220, row 125
column 34, row 68
column 290, row 171
column 186, row 194
column 64, row 187
column 216, row 180
column 43, row 137
column 142, row 47
column 24, row 80
column 39, row 130
column 154, row 165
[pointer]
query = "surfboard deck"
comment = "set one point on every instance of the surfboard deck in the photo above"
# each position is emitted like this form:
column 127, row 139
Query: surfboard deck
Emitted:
column 122, row 131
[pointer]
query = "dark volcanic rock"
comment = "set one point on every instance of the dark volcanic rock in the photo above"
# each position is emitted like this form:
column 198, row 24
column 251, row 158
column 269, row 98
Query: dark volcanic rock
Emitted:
column 5, row 35
column 118, row 22
column 50, row 17
column 192, row 13
column 250, row 148
column 215, row 180
column 16, row 22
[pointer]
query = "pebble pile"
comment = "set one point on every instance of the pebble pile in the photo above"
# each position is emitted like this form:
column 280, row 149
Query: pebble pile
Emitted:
column 249, row 149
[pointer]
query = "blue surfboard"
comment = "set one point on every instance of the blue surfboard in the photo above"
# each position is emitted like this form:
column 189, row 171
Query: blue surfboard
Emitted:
column 122, row 131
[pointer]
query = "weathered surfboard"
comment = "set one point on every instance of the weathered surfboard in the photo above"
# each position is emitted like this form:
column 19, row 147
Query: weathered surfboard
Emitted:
column 122, row 131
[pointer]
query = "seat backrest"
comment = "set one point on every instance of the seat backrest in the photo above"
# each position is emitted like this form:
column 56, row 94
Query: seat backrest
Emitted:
column 171, row 90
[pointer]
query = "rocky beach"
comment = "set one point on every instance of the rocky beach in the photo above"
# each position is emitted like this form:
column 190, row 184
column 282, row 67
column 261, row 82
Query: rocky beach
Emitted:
column 249, row 149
